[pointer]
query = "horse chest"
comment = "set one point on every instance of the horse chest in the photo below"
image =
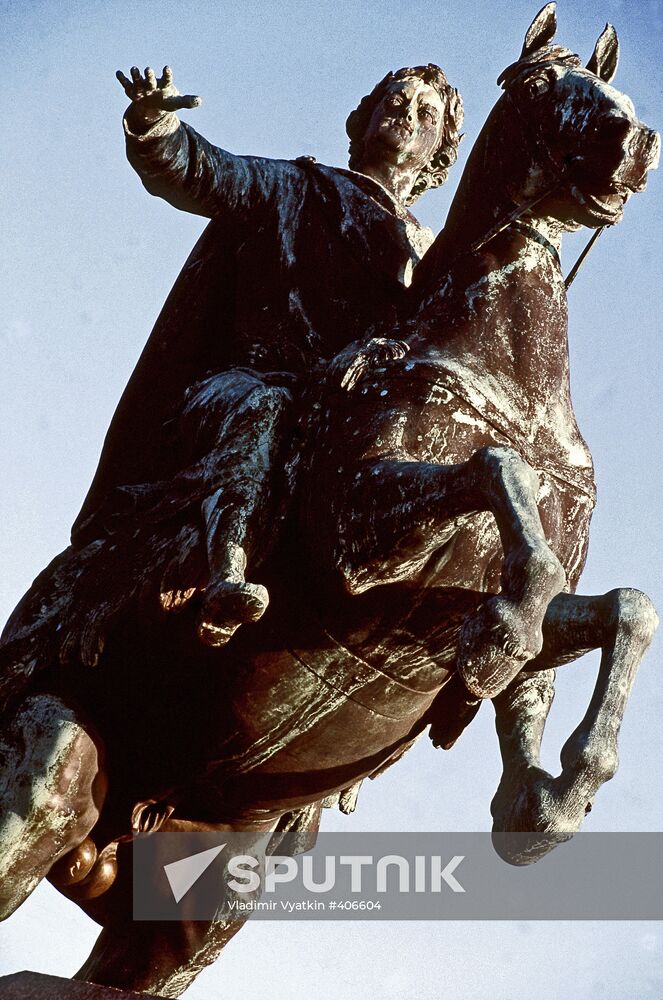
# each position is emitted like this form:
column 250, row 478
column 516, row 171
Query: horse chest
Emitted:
column 421, row 412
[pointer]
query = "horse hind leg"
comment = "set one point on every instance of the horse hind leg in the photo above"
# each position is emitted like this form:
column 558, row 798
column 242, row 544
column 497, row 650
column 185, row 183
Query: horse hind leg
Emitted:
column 51, row 789
column 529, row 800
column 161, row 958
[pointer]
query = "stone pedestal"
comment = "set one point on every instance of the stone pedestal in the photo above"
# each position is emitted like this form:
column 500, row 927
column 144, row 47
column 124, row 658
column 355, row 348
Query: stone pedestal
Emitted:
column 34, row 986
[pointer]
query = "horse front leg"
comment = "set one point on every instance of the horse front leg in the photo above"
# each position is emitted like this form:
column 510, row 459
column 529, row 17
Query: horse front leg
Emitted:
column 529, row 800
column 396, row 513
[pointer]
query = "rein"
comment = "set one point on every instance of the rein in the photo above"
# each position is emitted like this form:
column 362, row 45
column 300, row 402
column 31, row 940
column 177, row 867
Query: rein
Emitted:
column 542, row 158
column 578, row 264
column 537, row 146
column 534, row 234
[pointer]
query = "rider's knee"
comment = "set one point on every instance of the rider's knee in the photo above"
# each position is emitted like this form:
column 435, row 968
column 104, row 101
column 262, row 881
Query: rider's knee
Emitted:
column 260, row 397
column 223, row 404
column 226, row 391
column 635, row 616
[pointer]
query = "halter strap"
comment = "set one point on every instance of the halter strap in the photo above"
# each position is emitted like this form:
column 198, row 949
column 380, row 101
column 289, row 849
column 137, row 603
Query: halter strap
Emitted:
column 534, row 234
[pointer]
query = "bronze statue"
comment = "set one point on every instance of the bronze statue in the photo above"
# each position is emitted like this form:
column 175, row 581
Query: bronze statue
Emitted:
column 430, row 494
column 287, row 227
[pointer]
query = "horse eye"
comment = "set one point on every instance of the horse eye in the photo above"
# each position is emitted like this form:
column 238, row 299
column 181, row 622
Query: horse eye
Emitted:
column 539, row 86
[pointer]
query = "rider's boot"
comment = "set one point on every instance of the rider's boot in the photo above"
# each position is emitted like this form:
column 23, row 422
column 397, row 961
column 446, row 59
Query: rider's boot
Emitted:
column 229, row 600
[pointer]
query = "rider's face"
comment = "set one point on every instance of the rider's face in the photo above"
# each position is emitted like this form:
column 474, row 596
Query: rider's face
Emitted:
column 406, row 125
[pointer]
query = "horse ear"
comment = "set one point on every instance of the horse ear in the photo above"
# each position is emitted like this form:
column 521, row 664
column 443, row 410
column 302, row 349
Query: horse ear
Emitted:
column 541, row 30
column 605, row 55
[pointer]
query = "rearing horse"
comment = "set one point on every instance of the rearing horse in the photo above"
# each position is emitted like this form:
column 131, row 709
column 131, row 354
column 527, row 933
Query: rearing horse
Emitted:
column 476, row 416
column 440, row 532
column 486, row 366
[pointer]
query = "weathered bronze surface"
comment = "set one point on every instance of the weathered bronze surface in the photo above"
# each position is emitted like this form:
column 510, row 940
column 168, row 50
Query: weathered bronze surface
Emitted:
column 32, row 986
column 344, row 498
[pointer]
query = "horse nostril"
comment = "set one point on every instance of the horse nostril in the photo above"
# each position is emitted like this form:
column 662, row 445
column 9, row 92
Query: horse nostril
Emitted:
column 612, row 127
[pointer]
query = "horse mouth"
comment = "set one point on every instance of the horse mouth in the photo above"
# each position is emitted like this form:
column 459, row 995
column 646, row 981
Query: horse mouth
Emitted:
column 603, row 207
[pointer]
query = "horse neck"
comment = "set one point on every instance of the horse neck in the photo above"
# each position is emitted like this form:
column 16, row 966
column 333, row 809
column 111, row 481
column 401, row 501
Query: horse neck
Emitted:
column 514, row 275
column 525, row 308
column 493, row 187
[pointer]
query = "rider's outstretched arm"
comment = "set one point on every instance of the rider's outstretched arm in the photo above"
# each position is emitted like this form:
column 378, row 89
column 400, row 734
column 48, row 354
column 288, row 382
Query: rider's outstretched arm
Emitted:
column 174, row 162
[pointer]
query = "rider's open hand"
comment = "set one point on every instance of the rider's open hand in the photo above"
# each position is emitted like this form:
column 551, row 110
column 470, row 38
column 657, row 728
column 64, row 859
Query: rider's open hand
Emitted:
column 151, row 97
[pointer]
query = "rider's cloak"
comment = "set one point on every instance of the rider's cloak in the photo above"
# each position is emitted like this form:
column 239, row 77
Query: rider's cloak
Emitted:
column 298, row 260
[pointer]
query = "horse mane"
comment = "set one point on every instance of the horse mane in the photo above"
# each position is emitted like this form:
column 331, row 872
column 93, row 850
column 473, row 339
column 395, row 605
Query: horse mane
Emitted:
column 546, row 55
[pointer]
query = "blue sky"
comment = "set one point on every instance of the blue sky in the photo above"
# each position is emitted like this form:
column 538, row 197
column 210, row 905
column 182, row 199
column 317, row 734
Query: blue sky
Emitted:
column 89, row 259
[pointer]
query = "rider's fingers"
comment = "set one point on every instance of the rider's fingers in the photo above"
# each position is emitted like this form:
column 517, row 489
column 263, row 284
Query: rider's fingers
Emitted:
column 135, row 74
column 183, row 101
column 125, row 81
column 191, row 101
column 150, row 79
column 166, row 77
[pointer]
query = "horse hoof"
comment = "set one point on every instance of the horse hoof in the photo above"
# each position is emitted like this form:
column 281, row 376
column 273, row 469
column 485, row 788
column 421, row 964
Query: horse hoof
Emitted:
column 227, row 606
column 489, row 672
column 491, row 652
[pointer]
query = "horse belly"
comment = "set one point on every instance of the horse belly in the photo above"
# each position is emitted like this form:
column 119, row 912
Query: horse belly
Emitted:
column 315, row 718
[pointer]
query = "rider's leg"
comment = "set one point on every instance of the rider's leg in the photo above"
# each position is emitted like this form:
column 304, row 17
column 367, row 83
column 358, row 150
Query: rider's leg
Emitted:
column 51, row 791
column 240, row 422
column 620, row 623
column 396, row 513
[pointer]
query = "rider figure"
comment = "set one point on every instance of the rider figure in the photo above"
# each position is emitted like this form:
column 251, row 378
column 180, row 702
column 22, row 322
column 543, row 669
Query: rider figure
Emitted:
column 403, row 138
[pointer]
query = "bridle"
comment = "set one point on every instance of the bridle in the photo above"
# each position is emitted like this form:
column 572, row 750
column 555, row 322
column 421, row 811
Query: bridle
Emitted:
column 535, row 234
column 541, row 156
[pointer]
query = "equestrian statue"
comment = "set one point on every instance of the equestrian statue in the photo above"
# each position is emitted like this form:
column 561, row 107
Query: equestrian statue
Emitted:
column 344, row 499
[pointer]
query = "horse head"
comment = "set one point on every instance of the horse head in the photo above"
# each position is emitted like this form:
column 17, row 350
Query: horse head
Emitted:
column 589, row 151
column 560, row 143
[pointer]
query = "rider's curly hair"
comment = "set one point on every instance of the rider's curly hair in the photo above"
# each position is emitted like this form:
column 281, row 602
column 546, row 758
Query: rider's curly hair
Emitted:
column 435, row 172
